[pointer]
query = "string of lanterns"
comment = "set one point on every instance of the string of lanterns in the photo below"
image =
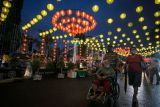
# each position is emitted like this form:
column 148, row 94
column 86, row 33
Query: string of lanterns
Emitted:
column 49, row 31
column 50, row 7
column 65, row 52
column 54, row 50
column 81, row 23
column 25, row 42
column 5, row 10
column 122, row 51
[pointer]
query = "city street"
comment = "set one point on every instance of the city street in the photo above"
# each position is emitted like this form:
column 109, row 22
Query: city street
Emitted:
column 69, row 93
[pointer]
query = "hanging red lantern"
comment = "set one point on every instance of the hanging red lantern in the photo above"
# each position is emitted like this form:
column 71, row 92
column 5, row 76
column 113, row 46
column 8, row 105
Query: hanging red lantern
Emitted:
column 78, row 13
column 62, row 12
column 73, row 19
column 85, row 21
column 69, row 12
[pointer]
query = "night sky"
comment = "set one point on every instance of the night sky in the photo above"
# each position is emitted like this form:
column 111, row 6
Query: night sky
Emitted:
column 33, row 7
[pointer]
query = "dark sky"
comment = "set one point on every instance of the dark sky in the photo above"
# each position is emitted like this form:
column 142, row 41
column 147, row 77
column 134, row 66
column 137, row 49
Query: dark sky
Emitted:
column 33, row 7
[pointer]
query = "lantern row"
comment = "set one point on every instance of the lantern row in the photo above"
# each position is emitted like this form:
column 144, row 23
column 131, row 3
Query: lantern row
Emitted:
column 50, row 7
column 5, row 10
column 73, row 21
column 47, row 32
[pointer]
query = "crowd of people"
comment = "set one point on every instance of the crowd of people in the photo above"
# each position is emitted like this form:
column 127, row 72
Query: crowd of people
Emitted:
column 134, row 65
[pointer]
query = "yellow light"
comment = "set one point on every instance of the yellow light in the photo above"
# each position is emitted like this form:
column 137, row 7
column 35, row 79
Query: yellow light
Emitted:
column 157, row 22
column 50, row 30
column 5, row 10
column 157, row 42
column 44, row 13
column 114, row 42
column 39, row 17
column 119, row 29
column 123, row 15
column 131, row 42
column 137, row 36
column 50, row 7
column 150, row 43
column 108, row 43
column 128, row 39
column 134, row 45
column 120, row 40
column 46, row 32
column 7, row 4
column 32, row 22
column 87, row 40
column 157, row 36
column 108, row 39
column 130, row 24
column 23, row 28
column 139, row 40
column 57, row 37
column 53, row 37
column 95, row 8
column 141, row 19
column 157, row 14
column 134, row 31
column 35, row 20
column 54, row 29
column 101, row 36
column 123, row 35
column 141, row 45
column 115, row 37
column 109, row 1
column 65, row 36
column 148, row 38
column 1, row 19
column 61, row 36
column 157, row 1
column 124, row 44
column 40, row 34
column 144, row 27
column 147, row 33
column 28, row 25
column 110, row 21
column 139, row 9
column 109, row 33
column 102, row 40
column 3, row 16
column 156, row 30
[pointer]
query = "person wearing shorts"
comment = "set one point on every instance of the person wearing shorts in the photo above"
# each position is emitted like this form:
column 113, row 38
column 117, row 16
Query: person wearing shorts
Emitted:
column 133, row 62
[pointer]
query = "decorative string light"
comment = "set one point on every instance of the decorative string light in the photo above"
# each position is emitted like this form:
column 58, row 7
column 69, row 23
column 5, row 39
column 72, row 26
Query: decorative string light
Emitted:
column 25, row 42
column 54, row 49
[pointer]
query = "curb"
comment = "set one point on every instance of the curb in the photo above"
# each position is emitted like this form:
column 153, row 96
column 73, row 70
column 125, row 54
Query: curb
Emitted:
column 10, row 80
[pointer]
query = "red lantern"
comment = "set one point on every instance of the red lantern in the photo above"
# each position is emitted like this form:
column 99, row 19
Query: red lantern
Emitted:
column 83, row 14
column 63, row 20
column 78, row 13
column 25, row 40
column 69, row 12
column 73, row 19
column 62, row 12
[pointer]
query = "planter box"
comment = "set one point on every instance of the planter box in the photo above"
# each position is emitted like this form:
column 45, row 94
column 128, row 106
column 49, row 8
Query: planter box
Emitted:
column 60, row 75
column 72, row 74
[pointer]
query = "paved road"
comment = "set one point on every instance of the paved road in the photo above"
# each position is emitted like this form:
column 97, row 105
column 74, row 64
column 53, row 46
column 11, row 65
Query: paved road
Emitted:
column 69, row 93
